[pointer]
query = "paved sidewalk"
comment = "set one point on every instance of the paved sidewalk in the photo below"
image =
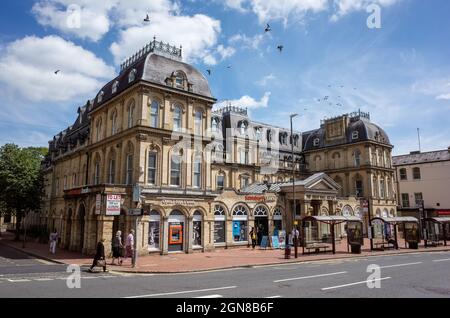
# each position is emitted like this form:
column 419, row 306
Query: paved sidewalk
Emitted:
column 219, row 259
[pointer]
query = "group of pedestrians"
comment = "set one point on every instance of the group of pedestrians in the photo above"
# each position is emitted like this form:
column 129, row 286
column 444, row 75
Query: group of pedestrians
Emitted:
column 120, row 252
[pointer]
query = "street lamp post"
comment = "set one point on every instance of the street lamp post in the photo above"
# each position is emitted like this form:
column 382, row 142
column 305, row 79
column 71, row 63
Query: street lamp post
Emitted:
column 294, row 210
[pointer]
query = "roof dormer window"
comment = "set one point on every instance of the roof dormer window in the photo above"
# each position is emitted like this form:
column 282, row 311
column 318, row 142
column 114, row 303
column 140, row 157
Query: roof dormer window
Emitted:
column 100, row 97
column 316, row 142
column 243, row 127
column 355, row 135
column 115, row 87
column 132, row 75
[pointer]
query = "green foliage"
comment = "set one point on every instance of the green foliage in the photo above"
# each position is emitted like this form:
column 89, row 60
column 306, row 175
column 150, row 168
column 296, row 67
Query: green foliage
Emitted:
column 20, row 179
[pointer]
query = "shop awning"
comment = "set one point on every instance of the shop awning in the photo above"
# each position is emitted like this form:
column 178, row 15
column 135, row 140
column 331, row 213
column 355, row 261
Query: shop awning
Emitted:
column 398, row 219
column 441, row 220
column 329, row 219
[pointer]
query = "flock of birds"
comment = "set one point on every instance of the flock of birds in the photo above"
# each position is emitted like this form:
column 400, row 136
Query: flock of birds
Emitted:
column 325, row 99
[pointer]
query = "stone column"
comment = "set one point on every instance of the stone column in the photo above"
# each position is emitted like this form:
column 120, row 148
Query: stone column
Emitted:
column 105, row 228
column 188, row 236
column 165, row 236
column 142, row 235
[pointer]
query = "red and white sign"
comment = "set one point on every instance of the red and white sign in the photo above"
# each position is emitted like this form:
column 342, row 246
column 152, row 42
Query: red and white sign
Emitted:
column 443, row 212
column 113, row 204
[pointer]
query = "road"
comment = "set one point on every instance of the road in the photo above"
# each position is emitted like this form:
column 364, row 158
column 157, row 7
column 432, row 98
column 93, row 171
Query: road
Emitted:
column 424, row 274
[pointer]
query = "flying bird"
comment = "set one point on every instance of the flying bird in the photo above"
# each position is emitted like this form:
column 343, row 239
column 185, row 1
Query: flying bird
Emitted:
column 280, row 48
column 56, row 72
column 268, row 28
column 209, row 72
column 229, row 66
column 147, row 18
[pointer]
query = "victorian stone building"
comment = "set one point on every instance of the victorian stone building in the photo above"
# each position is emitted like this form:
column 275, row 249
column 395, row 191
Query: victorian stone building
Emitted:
column 149, row 147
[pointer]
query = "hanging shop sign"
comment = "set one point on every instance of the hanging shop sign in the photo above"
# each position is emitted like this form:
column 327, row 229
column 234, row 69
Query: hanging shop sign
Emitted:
column 113, row 204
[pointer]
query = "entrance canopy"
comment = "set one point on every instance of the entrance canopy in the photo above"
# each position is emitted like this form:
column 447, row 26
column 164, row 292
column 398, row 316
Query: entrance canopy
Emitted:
column 440, row 220
column 332, row 219
column 397, row 220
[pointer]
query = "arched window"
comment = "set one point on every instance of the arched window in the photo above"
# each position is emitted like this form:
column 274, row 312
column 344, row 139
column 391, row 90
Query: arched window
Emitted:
column 152, row 167
column 131, row 114
column 154, row 114
column 198, row 122
column 114, row 122
column 382, row 188
column 347, row 211
column 132, row 75
column 74, row 180
column 260, row 211
column 179, row 80
column 240, row 225
column 112, row 171
column 243, row 127
column 316, row 142
column 197, row 172
column 115, row 87
column 214, row 124
column 355, row 135
column 98, row 128
column 97, row 172
column 100, row 97
column 220, row 185
column 359, row 186
column 258, row 133
column 175, row 169
column 357, row 158
column 269, row 135
column 244, row 156
column 177, row 118
column 219, row 224
column 336, row 160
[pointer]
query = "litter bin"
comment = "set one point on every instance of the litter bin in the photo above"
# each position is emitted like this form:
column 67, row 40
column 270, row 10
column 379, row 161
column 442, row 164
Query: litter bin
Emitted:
column 413, row 245
column 356, row 249
column 287, row 252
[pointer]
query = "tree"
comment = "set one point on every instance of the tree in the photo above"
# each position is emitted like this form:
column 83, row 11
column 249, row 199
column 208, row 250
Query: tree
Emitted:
column 20, row 180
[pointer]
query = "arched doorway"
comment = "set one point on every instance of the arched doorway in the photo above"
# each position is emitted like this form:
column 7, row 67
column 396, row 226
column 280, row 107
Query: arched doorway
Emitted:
column 261, row 222
column 177, row 222
column 81, row 223
column 197, row 229
column 68, row 229
column 119, row 225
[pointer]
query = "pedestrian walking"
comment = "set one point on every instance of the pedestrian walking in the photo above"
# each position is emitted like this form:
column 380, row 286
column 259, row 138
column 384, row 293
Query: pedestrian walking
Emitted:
column 99, row 258
column 53, row 241
column 253, row 237
column 117, row 248
column 129, row 246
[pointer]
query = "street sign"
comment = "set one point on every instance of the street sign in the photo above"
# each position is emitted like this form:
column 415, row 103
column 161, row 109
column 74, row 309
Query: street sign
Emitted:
column 135, row 212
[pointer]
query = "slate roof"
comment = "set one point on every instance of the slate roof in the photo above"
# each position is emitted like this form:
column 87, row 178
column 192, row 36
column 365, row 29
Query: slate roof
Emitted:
column 424, row 157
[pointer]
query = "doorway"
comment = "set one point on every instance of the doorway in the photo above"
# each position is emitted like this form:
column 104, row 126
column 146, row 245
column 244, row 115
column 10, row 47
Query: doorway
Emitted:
column 176, row 231
column 262, row 227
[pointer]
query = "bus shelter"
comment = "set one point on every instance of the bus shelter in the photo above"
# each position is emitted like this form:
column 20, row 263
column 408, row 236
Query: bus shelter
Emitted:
column 384, row 232
column 437, row 230
column 313, row 241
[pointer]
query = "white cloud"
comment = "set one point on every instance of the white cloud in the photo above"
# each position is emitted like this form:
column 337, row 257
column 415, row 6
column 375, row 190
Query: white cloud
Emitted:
column 27, row 67
column 266, row 79
column 197, row 34
column 245, row 41
column 444, row 97
column 247, row 102
column 270, row 10
column 225, row 52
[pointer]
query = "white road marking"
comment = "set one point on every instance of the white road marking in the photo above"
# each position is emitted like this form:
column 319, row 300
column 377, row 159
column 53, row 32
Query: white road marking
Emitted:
column 109, row 276
column 357, row 283
column 43, row 279
column 306, row 277
column 18, row 280
column 182, row 292
column 211, row 296
column 273, row 297
column 400, row 265
column 89, row 277
column 442, row 260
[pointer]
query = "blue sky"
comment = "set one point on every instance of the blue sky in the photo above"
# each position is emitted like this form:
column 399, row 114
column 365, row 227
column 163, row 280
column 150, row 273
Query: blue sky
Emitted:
column 399, row 73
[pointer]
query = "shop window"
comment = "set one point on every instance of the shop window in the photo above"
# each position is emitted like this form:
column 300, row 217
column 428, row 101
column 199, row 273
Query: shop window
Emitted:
column 154, row 230
column 219, row 224
column 197, row 229
column 240, row 224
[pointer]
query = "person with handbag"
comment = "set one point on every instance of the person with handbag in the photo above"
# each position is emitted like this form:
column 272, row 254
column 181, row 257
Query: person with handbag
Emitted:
column 117, row 247
column 99, row 258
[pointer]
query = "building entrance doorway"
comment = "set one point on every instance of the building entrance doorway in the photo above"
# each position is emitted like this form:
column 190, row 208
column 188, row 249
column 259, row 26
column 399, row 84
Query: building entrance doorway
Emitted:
column 262, row 227
column 176, row 231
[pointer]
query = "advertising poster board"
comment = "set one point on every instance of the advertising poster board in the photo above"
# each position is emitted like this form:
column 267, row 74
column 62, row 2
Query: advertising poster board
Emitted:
column 275, row 242
column 355, row 233
column 265, row 242
column 113, row 204
column 282, row 239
